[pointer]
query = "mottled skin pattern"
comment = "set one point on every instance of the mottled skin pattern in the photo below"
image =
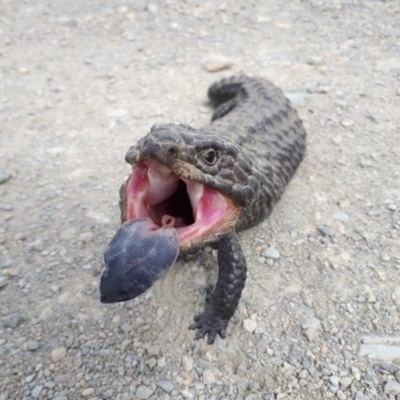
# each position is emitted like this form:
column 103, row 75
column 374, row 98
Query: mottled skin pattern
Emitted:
column 259, row 141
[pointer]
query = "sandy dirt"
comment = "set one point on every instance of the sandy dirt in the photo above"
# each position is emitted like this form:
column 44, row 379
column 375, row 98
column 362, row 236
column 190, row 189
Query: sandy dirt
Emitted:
column 80, row 82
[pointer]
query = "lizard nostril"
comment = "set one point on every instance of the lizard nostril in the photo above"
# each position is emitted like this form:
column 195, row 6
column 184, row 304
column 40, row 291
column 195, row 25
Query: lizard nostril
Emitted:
column 172, row 151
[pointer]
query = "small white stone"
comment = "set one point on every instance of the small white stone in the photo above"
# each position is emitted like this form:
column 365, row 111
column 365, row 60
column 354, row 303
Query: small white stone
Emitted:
column 342, row 217
column 143, row 392
column 315, row 60
column 187, row 363
column 87, row 392
column 161, row 363
column 271, row 252
column 392, row 387
column 58, row 354
column 216, row 62
column 187, row 394
column 370, row 295
column 311, row 328
column 208, row 377
column 359, row 395
column 152, row 8
column 36, row 391
column 356, row 373
column 346, row 123
column 345, row 381
column 249, row 325
column 111, row 98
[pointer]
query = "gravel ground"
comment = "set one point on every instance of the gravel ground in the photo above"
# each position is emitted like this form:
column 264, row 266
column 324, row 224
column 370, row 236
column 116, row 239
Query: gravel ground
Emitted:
column 82, row 81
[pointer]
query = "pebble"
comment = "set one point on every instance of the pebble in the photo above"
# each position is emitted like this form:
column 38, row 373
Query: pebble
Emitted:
column 143, row 392
column 312, row 328
column 58, row 354
column 8, row 262
column 345, row 381
column 13, row 321
column 334, row 380
column 271, row 252
column 85, row 237
column 392, row 387
column 315, row 60
column 346, row 123
column 3, row 281
column 370, row 295
column 37, row 245
column 15, row 271
column 216, row 62
column 208, row 377
column 152, row 8
column 87, row 392
column 36, row 391
column 365, row 163
column 187, row 394
column 342, row 217
column 111, row 98
column 296, row 98
column 165, row 385
column 187, row 363
column 325, row 230
column 33, row 345
column 380, row 351
column 356, row 373
column 126, row 328
column 323, row 89
column 249, row 325
column 360, row 395
column 162, row 362
column 4, row 176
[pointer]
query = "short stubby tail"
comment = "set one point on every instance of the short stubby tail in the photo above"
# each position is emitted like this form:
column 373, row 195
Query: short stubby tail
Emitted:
column 225, row 95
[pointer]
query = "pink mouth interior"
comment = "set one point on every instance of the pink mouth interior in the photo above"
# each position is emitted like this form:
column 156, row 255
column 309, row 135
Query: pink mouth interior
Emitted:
column 195, row 210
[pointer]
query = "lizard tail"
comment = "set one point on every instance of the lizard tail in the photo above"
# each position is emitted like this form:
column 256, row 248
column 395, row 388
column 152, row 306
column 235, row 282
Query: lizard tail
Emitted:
column 226, row 94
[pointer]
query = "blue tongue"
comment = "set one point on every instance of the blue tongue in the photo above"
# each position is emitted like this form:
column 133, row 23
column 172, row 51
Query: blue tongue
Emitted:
column 138, row 255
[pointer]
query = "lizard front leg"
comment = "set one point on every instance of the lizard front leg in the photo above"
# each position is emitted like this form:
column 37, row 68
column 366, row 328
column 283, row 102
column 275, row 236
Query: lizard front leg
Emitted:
column 225, row 297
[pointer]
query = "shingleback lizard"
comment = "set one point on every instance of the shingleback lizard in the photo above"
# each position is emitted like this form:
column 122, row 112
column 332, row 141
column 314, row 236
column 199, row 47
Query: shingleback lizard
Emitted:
column 195, row 187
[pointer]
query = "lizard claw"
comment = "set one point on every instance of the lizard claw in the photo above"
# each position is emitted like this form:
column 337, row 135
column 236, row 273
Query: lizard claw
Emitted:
column 208, row 323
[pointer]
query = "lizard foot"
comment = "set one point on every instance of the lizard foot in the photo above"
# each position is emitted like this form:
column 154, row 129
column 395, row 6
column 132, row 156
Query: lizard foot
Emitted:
column 208, row 323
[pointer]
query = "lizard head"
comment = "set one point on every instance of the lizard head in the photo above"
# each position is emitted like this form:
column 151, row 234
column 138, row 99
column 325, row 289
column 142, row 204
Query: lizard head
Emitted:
column 189, row 179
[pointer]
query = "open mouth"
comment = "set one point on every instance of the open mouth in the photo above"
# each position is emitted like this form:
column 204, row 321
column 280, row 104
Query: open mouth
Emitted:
column 198, row 212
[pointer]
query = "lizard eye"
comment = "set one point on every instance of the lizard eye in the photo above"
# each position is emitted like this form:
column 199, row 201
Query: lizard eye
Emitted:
column 210, row 157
